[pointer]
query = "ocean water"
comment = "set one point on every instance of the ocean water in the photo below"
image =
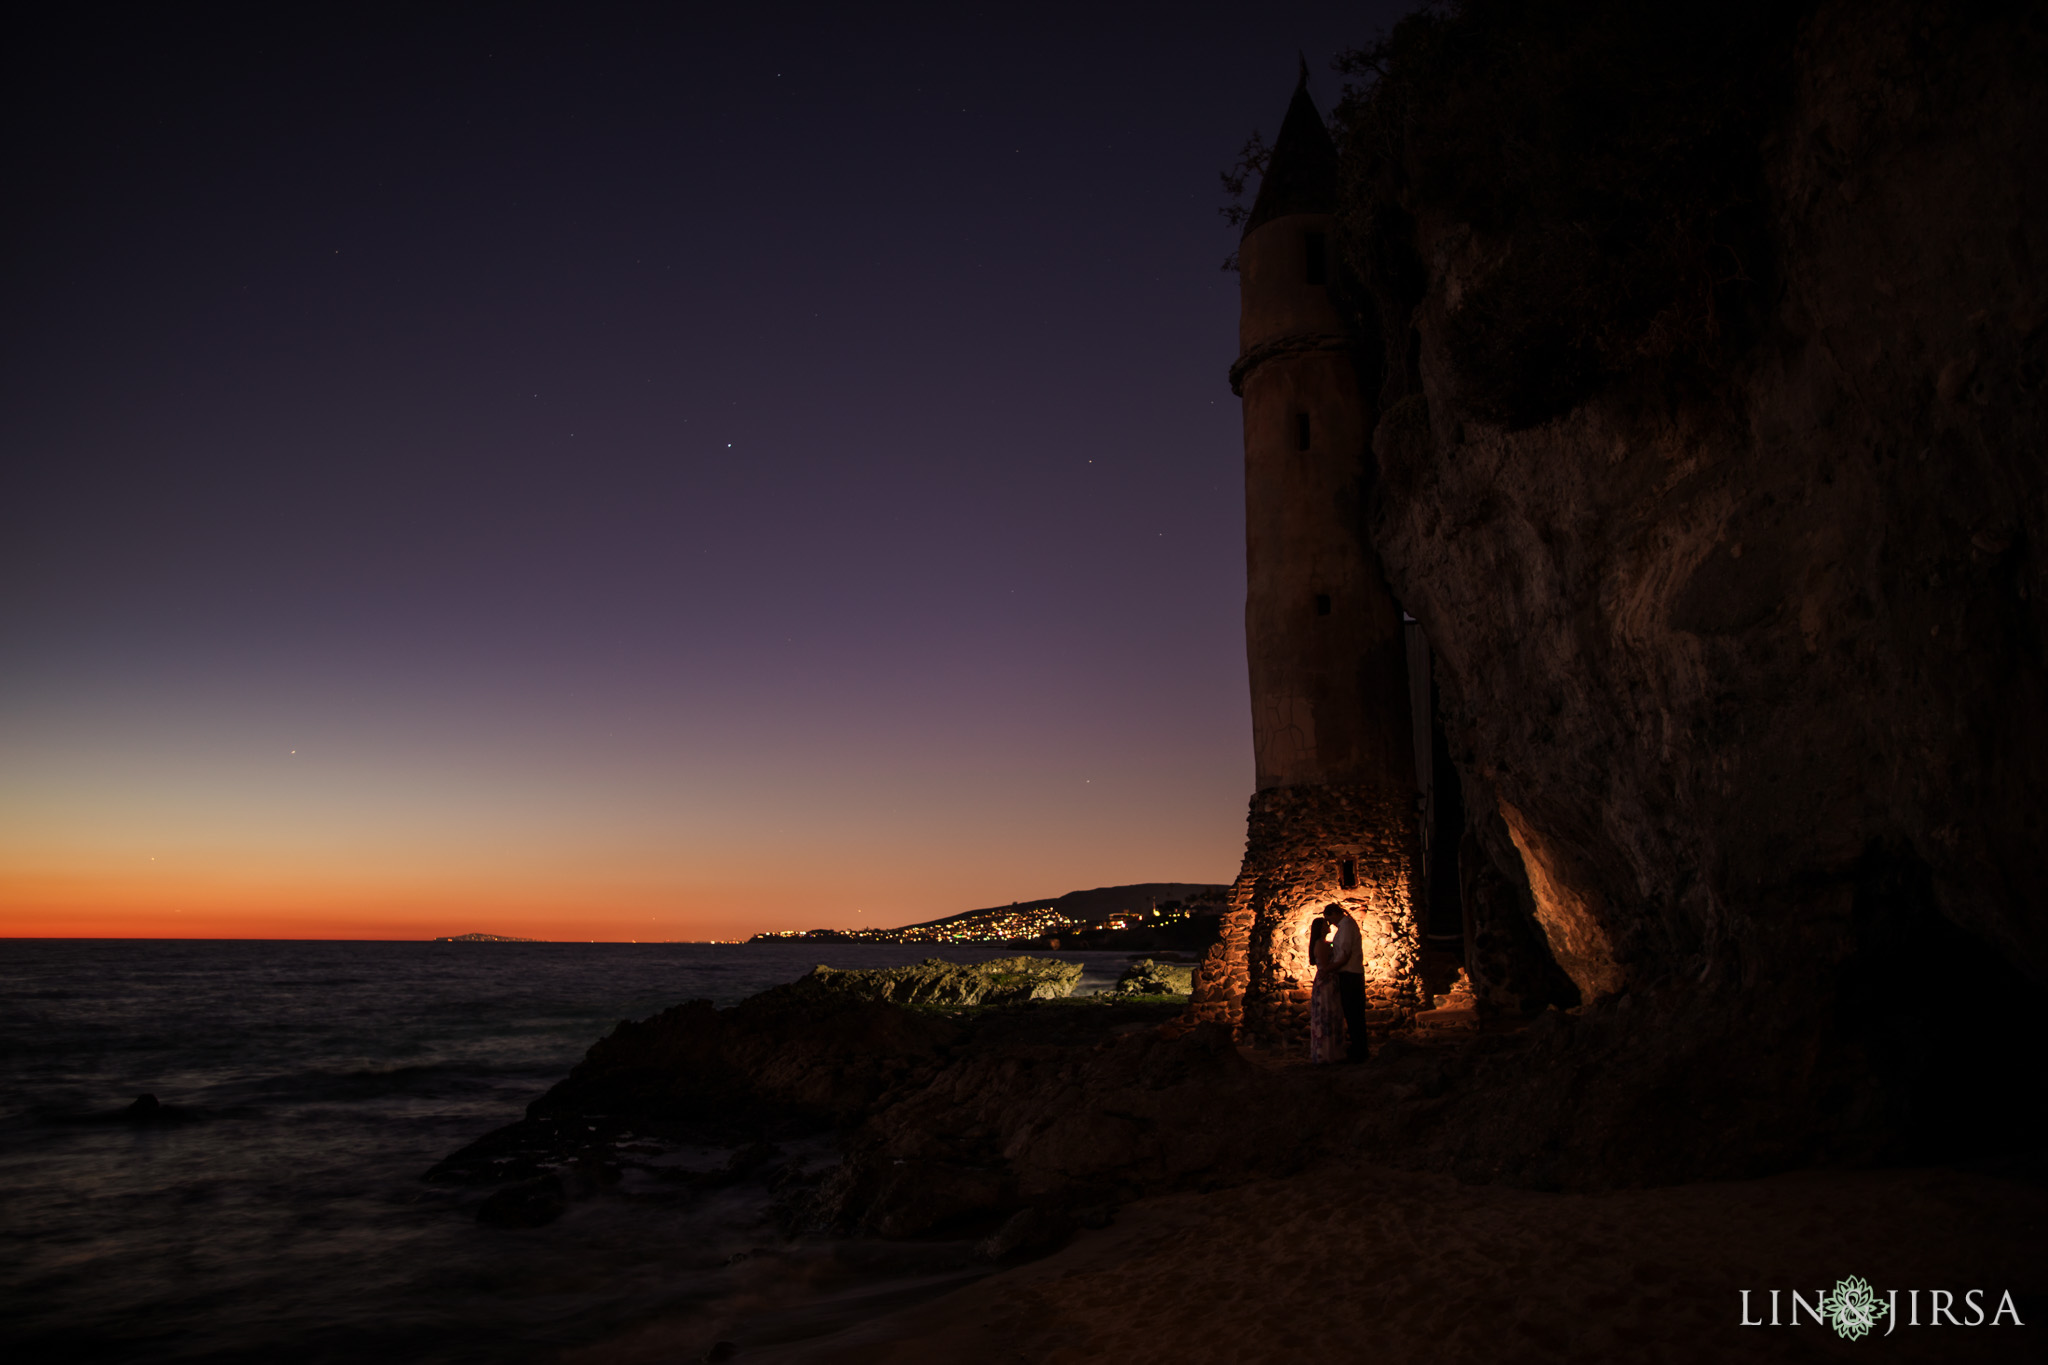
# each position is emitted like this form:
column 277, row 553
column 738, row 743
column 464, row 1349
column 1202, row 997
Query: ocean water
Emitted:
column 289, row 1220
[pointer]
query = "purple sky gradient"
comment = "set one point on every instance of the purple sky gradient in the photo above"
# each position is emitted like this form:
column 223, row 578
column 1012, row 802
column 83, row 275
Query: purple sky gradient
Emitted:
column 700, row 474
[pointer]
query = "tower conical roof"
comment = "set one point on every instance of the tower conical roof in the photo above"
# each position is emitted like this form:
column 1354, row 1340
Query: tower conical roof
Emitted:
column 1301, row 174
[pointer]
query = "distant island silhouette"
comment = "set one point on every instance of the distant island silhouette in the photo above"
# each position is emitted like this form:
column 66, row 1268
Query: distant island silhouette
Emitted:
column 486, row 938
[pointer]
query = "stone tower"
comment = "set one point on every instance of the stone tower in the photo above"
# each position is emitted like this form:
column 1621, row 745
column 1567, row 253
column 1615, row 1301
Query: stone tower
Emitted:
column 1333, row 817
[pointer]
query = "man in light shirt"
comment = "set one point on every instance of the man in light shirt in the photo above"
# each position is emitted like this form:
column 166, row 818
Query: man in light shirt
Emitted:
column 1347, row 959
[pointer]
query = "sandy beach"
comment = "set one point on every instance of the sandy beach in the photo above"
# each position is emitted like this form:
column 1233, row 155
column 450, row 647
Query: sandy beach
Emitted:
column 1383, row 1265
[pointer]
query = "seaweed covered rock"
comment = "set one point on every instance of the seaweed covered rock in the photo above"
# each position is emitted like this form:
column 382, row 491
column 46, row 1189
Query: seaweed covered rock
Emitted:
column 1156, row 978
column 1005, row 981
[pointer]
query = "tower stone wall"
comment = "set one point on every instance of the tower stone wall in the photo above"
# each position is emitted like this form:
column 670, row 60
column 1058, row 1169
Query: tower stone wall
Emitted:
column 1333, row 818
column 1301, row 840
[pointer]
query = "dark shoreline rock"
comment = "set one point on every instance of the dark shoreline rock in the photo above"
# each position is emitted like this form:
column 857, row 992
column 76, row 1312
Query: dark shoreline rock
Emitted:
column 948, row 1122
column 526, row 1204
column 146, row 1111
column 823, row 1055
column 810, row 1057
column 960, row 1122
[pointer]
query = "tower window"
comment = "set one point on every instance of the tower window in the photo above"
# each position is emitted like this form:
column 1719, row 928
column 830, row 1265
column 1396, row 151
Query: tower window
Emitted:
column 1301, row 431
column 1318, row 250
column 1322, row 604
column 1347, row 874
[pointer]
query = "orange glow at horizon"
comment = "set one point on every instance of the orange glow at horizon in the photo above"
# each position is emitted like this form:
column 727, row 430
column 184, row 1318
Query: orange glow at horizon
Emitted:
column 556, row 908
column 128, row 822
column 46, row 907
column 261, row 900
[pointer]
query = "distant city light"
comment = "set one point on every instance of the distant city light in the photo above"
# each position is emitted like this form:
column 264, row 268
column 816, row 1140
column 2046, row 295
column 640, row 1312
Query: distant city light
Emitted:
column 1005, row 926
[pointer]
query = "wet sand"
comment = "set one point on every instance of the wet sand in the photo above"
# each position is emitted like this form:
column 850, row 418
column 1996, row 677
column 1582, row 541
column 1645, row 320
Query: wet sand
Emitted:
column 1382, row 1265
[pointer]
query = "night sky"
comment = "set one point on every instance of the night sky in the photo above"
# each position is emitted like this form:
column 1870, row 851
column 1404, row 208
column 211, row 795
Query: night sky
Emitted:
column 623, row 474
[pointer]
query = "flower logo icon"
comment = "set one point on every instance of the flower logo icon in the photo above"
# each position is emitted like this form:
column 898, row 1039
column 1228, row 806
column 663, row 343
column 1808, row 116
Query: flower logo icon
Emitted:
column 1852, row 1309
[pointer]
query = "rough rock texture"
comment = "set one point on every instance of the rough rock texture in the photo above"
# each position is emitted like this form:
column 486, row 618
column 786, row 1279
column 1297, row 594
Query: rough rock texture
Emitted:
column 1300, row 840
column 801, row 1061
column 1507, row 958
column 1004, row 981
column 1225, row 971
column 1073, row 1127
column 1311, row 846
column 1714, row 471
column 806, row 1053
column 797, row 1060
column 1155, row 978
column 817, row 1051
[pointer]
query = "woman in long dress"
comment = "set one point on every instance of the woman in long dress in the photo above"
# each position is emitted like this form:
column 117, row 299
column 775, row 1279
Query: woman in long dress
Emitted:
column 1325, row 1009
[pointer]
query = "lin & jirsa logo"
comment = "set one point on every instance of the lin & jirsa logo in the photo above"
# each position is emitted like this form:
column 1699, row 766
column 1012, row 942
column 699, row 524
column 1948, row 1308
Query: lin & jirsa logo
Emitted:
column 1854, row 1309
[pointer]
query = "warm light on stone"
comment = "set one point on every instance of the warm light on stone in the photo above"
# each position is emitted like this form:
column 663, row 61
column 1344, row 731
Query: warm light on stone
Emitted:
column 1333, row 818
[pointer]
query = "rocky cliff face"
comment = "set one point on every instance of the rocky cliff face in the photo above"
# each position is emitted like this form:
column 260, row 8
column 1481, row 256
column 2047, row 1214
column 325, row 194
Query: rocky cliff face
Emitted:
column 1710, row 447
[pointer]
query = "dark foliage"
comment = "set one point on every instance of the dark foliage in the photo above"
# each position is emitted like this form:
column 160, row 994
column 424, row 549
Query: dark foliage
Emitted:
column 1252, row 160
column 1604, row 154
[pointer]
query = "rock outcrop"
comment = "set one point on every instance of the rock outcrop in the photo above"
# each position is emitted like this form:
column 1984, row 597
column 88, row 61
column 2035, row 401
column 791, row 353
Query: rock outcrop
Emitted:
column 1004, row 981
column 814, row 1052
column 955, row 1120
column 1072, row 1128
column 825, row 1053
column 1156, row 978
column 1710, row 455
